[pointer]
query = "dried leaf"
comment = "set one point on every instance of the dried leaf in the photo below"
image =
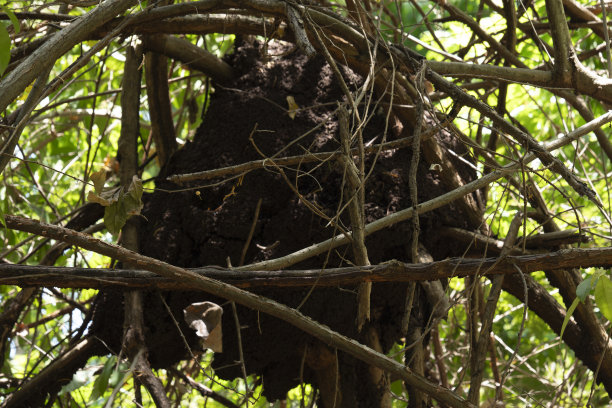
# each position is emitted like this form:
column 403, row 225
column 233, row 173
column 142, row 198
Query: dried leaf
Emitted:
column 98, row 178
column 293, row 107
column 205, row 319
column 94, row 198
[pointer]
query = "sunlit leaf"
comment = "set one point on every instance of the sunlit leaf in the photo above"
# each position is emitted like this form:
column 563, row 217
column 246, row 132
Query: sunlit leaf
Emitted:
column 5, row 48
column 12, row 17
column 101, row 383
column 584, row 288
column 603, row 296
column 79, row 379
column 568, row 315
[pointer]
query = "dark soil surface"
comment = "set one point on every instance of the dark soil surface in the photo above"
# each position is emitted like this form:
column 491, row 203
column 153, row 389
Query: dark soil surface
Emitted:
column 211, row 228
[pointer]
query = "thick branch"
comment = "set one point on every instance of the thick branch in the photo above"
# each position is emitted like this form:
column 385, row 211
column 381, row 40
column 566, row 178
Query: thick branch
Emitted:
column 160, row 107
column 582, row 13
column 467, row 70
column 65, row 277
column 133, row 321
column 189, row 54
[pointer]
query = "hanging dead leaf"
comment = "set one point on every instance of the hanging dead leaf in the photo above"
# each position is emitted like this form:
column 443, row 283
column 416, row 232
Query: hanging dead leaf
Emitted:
column 98, row 178
column 205, row 319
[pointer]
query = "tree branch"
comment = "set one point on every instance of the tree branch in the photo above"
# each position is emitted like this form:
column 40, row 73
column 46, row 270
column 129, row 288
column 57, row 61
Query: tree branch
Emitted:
column 562, row 44
column 467, row 70
column 189, row 54
column 395, row 271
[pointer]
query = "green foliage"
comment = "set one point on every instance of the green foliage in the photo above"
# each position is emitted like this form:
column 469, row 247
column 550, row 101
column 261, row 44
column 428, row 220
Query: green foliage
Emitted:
column 101, row 383
column 120, row 204
column 5, row 48
column 599, row 285
column 5, row 40
column 603, row 296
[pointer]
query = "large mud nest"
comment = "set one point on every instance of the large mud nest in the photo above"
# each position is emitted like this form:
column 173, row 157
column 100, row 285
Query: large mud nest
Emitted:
column 247, row 118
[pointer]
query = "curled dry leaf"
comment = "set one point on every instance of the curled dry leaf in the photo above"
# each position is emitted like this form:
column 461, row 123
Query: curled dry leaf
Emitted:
column 205, row 319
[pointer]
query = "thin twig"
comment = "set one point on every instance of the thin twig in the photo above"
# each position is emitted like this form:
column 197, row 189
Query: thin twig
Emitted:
column 247, row 243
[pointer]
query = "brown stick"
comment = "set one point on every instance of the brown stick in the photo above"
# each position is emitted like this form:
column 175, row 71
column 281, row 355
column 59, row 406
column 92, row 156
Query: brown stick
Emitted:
column 133, row 323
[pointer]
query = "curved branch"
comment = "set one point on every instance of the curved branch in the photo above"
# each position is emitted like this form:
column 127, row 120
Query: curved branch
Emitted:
column 189, row 54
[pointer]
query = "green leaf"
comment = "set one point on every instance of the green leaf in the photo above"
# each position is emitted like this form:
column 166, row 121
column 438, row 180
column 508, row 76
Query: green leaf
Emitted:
column 603, row 296
column 12, row 17
column 397, row 387
column 101, row 383
column 123, row 206
column 118, row 374
column 584, row 288
column 568, row 315
column 5, row 48
column 2, row 221
column 114, row 218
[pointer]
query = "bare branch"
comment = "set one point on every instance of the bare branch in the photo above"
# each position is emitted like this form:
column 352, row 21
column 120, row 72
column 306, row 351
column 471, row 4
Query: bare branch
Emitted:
column 561, row 41
column 517, row 75
column 191, row 55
